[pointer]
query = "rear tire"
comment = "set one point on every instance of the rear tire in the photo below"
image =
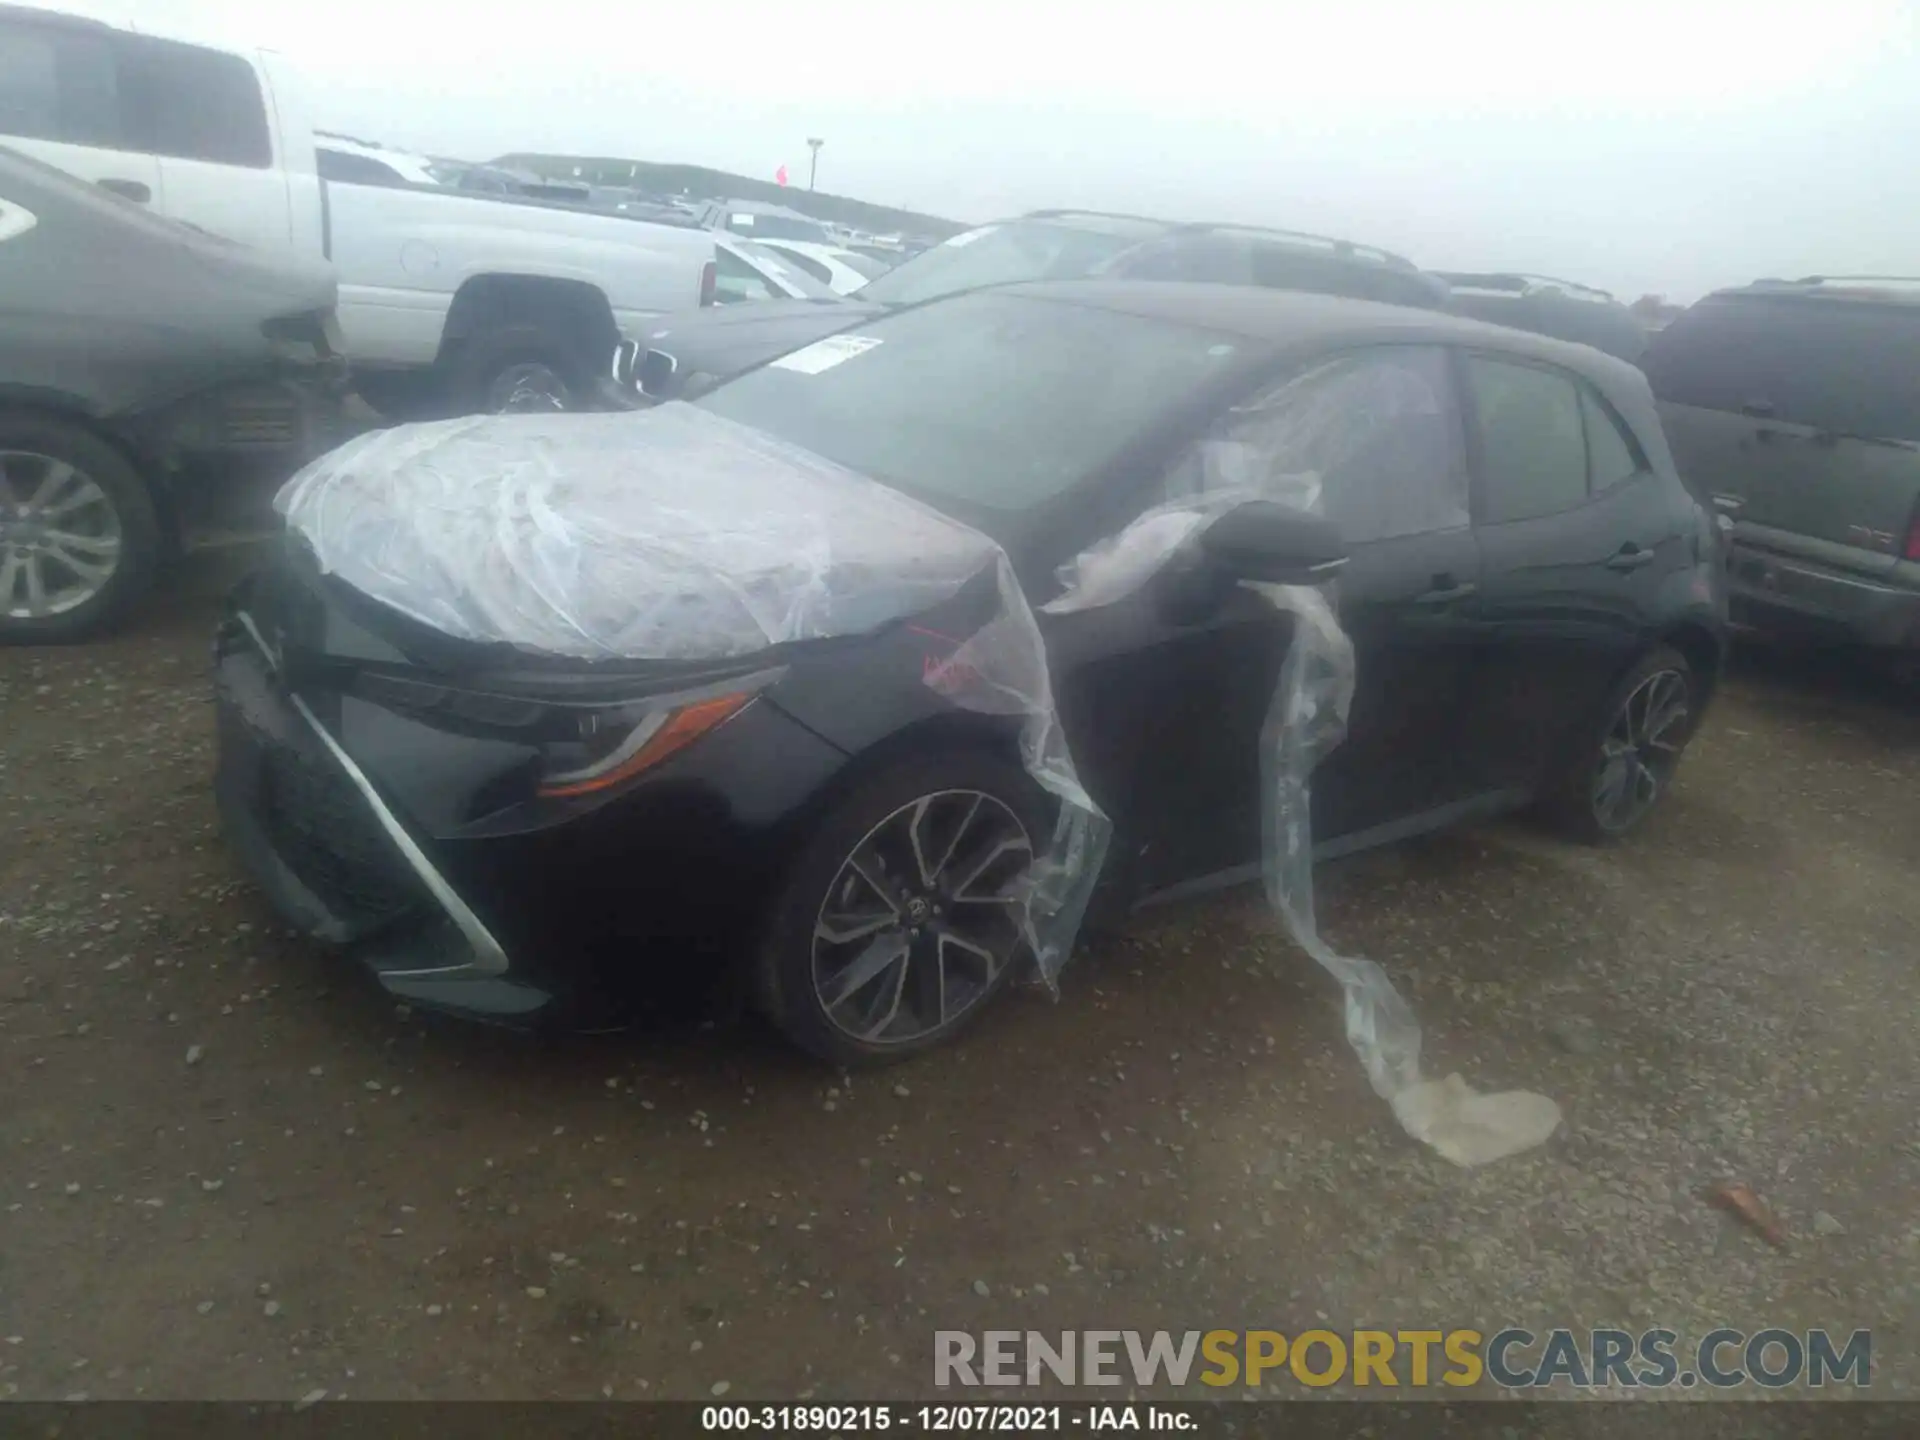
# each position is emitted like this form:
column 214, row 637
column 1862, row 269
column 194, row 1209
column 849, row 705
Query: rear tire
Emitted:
column 1627, row 761
column 80, row 539
column 856, row 974
column 519, row 363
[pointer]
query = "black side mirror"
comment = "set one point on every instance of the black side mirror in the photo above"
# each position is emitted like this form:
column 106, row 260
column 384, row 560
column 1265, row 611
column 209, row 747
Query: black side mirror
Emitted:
column 1265, row 541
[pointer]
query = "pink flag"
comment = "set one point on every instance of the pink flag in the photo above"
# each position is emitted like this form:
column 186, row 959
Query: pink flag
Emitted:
column 781, row 174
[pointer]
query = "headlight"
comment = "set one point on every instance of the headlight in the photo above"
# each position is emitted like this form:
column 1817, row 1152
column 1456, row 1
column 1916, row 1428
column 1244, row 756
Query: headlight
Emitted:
column 615, row 746
column 585, row 746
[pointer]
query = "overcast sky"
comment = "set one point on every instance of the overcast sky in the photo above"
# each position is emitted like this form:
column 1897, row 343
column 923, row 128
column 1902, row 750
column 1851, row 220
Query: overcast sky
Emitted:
column 1667, row 147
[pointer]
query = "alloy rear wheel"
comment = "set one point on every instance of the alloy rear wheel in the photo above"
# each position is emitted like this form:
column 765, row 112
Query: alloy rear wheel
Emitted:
column 1627, row 764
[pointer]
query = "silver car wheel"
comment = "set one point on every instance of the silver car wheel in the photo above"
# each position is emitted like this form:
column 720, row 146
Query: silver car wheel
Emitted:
column 1640, row 751
column 60, row 537
column 921, row 918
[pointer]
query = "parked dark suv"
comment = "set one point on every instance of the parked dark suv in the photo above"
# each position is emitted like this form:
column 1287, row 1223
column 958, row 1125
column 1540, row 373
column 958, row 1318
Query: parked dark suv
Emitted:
column 688, row 352
column 1547, row 306
column 1794, row 407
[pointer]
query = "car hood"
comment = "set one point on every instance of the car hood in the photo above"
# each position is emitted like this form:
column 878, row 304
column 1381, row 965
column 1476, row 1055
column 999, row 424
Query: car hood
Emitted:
column 667, row 535
column 725, row 339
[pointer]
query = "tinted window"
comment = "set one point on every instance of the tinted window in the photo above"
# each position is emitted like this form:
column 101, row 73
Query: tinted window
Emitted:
column 57, row 84
column 757, row 225
column 1611, row 456
column 1845, row 366
column 806, row 264
column 1006, row 254
column 1532, row 440
column 863, row 265
column 735, row 281
column 192, row 104
column 1210, row 259
column 1371, row 440
column 988, row 402
column 356, row 169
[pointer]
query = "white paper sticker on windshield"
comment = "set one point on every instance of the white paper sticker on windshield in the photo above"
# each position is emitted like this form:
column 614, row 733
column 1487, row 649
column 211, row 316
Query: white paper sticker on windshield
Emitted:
column 825, row 354
column 967, row 237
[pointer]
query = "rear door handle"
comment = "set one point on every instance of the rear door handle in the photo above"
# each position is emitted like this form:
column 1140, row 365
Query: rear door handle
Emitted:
column 136, row 190
column 1630, row 557
column 1444, row 593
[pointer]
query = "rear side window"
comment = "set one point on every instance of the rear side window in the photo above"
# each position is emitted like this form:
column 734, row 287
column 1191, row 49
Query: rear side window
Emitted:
column 356, row 169
column 189, row 103
column 1844, row 366
column 58, row 84
column 1611, row 455
column 806, row 264
column 735, row 281
column 1533, row 447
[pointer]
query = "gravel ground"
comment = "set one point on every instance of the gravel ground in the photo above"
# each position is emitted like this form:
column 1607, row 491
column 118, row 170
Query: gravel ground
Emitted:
column 232, row 1169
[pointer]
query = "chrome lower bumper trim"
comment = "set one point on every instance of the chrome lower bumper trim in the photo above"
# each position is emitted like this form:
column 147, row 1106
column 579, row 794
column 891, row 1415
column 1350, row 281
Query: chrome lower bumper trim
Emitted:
column 488, row 956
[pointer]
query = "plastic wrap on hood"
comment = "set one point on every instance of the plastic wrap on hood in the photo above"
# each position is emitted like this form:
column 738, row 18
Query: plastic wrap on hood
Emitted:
column 662, row 534
column 673, row 534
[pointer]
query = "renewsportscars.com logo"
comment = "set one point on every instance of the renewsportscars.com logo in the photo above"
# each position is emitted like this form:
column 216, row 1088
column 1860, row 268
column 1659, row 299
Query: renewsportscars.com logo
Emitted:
column 1513, row 1358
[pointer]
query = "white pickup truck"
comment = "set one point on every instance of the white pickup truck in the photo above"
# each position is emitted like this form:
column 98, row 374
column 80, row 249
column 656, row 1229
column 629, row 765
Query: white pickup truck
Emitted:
column 482, row 299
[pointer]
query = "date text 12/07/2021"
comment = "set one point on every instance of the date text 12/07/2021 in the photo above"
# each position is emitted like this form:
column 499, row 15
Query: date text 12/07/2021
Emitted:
column 946, row 1419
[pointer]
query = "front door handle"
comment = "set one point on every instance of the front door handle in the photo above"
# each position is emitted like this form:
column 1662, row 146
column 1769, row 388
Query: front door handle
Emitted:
column 1445, row 592
column 1630, row 557
column 136, row 190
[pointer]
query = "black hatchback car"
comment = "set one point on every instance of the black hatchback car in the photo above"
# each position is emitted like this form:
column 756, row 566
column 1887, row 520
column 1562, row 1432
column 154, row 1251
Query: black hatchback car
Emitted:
column 1534, row 600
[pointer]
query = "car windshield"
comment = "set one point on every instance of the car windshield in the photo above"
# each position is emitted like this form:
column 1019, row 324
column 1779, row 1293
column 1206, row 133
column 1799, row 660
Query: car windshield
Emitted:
column 982, row 403
column 1006, row 254
column 770, row 261
column 758, row 224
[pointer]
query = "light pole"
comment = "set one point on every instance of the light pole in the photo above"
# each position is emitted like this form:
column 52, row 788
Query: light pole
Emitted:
column 813, row 165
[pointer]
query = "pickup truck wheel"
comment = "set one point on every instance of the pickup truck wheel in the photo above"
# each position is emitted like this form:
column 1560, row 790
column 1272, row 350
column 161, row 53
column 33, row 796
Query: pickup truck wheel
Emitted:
column 517, row 369
column 79, row 537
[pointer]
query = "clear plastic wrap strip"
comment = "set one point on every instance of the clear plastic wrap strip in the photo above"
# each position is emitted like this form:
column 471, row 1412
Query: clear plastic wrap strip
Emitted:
column 1001, row 669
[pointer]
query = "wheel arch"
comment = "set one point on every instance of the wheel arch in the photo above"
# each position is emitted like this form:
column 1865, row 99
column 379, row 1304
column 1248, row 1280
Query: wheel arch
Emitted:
column 33, row 402
column 1703, row 649
column 575, row 313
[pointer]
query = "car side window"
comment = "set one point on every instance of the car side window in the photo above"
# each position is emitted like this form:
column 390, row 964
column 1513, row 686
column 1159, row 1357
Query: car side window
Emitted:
column 1533, row 448
column 190, row 103
column 1611, row 455
column 806, row 264
column 58, row 84
column 735, row 281
column 355, row 169
column 1370, row 438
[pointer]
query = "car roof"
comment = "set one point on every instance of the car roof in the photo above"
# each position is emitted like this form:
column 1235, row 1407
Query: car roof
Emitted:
column 1290, row 319
column 1897, row 290
column 1352, row 250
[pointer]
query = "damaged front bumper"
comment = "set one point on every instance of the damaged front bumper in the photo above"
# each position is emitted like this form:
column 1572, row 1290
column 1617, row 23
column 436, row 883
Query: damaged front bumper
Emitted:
column 331, row 855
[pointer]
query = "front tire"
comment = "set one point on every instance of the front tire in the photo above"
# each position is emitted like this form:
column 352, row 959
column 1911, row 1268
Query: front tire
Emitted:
column 894, row 929
column 80, row 540
column 1628, row 762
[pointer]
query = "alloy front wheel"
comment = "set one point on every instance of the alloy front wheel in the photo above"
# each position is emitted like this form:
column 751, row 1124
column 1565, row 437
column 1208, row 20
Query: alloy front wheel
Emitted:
column 921, row 919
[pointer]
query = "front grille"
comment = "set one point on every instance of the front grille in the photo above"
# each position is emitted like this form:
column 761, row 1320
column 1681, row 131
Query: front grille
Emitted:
column 322, row 830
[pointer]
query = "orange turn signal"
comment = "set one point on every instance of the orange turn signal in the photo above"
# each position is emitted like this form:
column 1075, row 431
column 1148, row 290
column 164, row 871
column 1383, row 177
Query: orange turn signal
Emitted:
column 682, row 728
